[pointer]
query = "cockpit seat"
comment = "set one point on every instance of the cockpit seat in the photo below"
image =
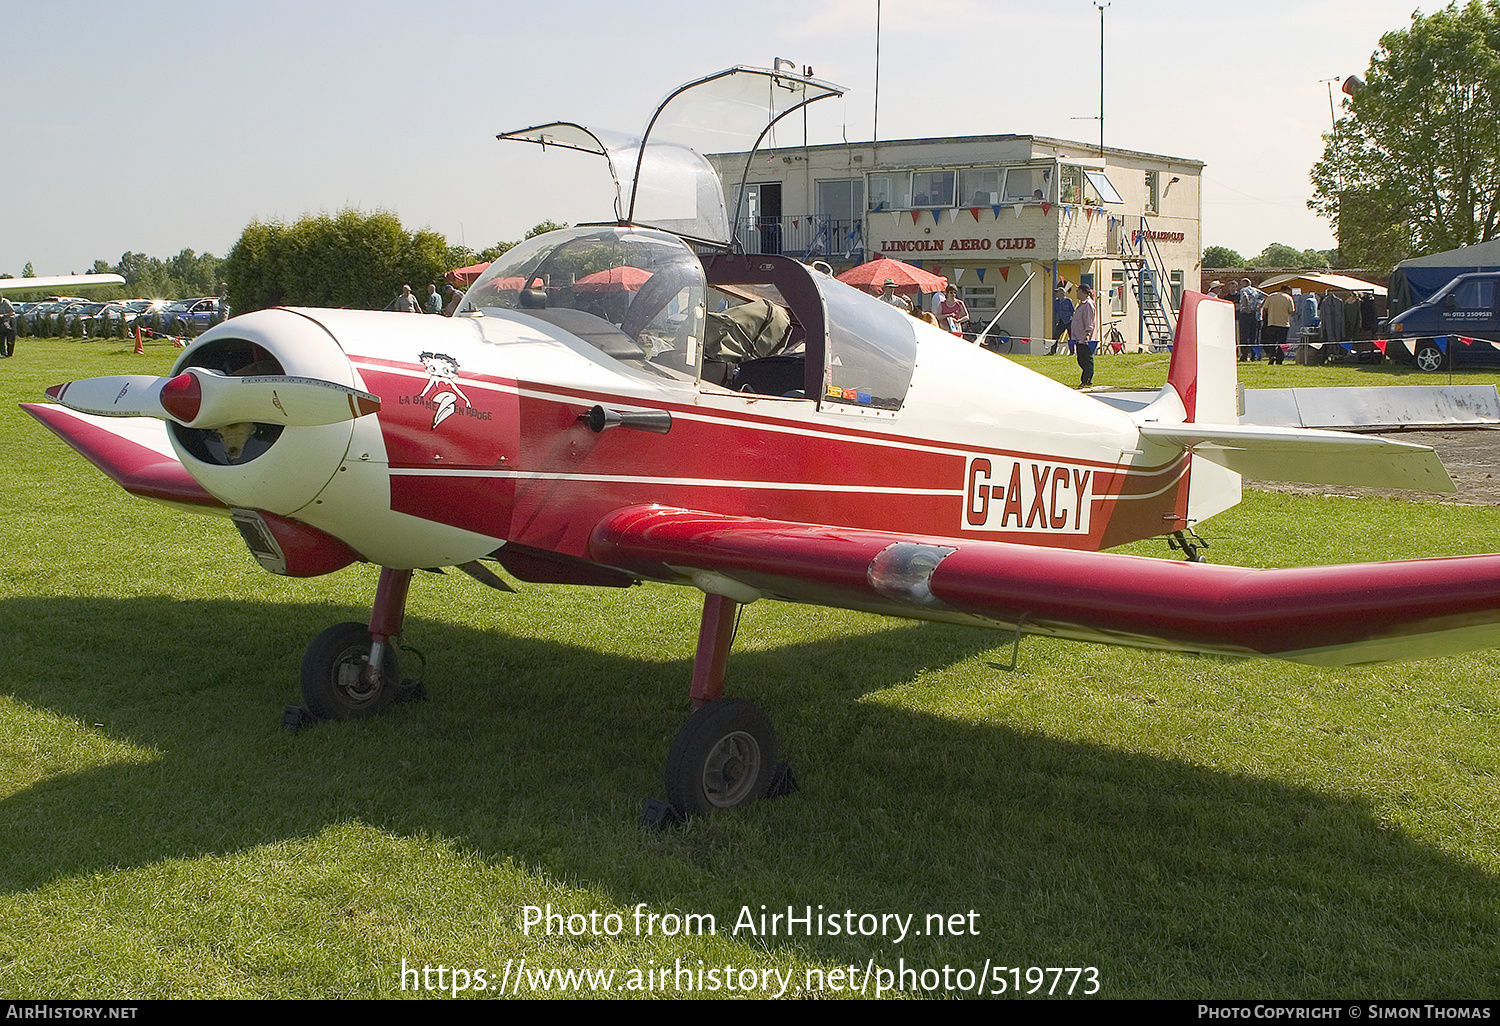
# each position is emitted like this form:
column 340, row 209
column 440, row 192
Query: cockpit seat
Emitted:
column 772, row 375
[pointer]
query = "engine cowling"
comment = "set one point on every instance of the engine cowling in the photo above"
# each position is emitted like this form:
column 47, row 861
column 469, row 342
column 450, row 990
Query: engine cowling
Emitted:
column 259, row 464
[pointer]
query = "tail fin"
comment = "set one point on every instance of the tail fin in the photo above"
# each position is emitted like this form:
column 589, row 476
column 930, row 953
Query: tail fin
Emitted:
column 1202, row 387
column 1203, row 371
column 1199, row 410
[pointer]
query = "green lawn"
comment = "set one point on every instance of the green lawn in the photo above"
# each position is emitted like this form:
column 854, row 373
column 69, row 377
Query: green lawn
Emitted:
column 1143, row 370
column 1190, row 827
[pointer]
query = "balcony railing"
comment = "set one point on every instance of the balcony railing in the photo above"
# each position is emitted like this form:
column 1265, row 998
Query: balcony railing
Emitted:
column 806, row 237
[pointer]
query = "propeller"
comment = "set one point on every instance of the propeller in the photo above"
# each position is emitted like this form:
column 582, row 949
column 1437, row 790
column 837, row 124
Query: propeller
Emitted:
column 201, row 398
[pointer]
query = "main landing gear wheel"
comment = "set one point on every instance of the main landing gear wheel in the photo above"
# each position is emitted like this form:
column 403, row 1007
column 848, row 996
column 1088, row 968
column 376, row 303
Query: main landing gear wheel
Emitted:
column 723, row 756
column 336, row 682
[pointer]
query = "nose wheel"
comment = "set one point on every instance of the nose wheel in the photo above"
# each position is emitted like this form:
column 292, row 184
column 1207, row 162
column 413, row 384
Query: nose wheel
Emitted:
column 350, row 671
column 340, row 680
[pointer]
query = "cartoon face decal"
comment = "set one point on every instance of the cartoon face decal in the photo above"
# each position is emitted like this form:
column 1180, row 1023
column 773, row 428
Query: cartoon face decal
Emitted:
column 442, row 376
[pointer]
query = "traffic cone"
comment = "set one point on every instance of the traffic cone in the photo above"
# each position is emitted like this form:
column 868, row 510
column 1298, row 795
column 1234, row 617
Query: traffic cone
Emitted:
column 140, row 347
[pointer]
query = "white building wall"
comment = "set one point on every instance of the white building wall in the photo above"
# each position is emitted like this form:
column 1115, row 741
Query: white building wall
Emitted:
column 995, row 246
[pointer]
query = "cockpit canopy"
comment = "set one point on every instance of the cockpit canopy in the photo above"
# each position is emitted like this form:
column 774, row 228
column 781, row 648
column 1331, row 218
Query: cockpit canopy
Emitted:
column 632, row 293
column 642, row 297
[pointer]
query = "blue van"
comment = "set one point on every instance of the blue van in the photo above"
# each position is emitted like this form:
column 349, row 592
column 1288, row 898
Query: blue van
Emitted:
column 1468, row 306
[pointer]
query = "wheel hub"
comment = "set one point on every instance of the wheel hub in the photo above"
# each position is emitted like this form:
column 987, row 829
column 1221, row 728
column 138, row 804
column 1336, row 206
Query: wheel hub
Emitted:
column 731, row 769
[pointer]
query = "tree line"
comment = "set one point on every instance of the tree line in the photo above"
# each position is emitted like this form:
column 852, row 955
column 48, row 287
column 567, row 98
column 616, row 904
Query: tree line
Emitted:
column 1275, row 255
column 351, row 259
column 1413, row 165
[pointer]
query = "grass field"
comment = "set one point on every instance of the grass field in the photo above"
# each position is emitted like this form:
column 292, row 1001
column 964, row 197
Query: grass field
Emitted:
column 1189, row 827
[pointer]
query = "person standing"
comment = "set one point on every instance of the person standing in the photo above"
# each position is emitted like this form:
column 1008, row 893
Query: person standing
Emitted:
column 1248, row 316
column 1276, row 311
column 1062, row 319
column 406, row 302
column 953, row 313
column 1081, row 335
column 434, row 301
column 888, row 296
column 7, row 327
column 454, row 298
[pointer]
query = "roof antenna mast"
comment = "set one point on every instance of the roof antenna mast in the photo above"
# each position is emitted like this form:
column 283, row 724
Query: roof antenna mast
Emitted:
column 1101, row 76
column 875, row 130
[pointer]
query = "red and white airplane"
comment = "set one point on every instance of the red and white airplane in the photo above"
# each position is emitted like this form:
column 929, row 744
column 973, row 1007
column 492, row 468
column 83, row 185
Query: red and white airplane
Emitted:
column 589, row 417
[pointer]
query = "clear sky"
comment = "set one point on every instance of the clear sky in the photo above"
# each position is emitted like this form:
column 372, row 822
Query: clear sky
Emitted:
column 159, row 125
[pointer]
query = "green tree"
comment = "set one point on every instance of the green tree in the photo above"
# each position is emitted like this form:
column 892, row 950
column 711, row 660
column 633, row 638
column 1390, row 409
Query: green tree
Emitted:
column 349, row 259
column 1413, row 166
column 27, row 272
column 1279, row 254
column 1222, row 256
column 544, row 227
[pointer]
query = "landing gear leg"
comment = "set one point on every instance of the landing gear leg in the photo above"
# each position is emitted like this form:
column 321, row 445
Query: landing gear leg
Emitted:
column 725, row 754
column 351, row 671
column 1190, row 544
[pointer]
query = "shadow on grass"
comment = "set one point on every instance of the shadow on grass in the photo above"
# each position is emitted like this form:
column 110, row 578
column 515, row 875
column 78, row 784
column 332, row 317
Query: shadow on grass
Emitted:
column 1173, row 878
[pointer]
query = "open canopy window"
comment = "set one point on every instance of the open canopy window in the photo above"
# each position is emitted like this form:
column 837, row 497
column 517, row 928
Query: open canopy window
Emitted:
column 661, row 179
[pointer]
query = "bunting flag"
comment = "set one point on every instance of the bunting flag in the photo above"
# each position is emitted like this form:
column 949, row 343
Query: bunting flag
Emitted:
column 980, row 271
column 1005, row 273
column 1067, row 211
column 1088, row 212
column 896, row 218
column 937, row 268
column 1019, row 208
column 1046, row 207
column 937, row 217
column 975, row 212
column 952, row 215
column 996, row 209
column 958, row 274
column 1379, row 344
column 794, row 222
column 1442, row 343
column 1466, row 341
column 914, row 215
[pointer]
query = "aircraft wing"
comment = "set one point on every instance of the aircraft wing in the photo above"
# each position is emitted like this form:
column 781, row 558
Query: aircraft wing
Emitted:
column 60, row 281
column 135, row 453
column 1331, row 615
column 1309, row 455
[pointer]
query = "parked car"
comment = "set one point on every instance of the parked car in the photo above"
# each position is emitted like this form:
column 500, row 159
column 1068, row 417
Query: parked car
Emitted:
column 1468, row 307
column 43, row 319
column 191, row 316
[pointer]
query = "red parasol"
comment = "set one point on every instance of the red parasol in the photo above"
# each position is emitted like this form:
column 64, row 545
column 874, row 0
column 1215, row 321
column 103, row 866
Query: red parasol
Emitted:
column 466, row 275
column 908, row 278
column 614, row 279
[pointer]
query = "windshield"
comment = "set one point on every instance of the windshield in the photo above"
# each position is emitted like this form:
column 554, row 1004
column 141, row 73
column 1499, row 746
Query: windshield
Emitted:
column 634, row 294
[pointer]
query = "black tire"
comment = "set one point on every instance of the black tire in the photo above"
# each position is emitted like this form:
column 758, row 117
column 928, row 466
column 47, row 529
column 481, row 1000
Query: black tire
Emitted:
column 333, row 685
column 1000, row 342
column 179, row 327
column 723, row 756
column 1429, row 357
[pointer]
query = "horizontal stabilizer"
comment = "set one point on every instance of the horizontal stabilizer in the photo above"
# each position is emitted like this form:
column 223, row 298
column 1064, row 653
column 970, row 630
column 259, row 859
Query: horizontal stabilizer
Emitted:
column 200, row 398
column 1309, row 456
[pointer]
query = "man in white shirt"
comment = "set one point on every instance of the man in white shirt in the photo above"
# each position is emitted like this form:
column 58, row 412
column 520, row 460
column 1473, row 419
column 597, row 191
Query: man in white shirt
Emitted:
column 888, row 295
